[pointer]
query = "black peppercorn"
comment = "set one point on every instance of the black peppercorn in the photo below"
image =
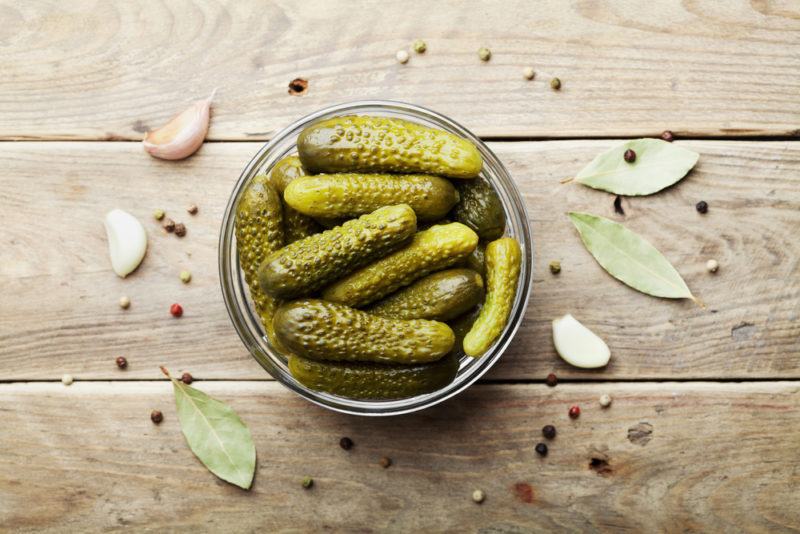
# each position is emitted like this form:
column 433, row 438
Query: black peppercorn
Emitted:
column 156, row 416
column 541, row 449
column 186, row 378
column 552, row 380
column 385, row 462
column 630, row 156
column 122, row 363
column 180, row 230
column 668, row 136
column 549, row 431
column 702, row 206
column 346, row 443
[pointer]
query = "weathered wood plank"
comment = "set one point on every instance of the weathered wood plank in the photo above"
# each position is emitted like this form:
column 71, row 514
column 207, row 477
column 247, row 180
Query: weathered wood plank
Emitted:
column 59, row 312
column 670, row 457
column 111, row 70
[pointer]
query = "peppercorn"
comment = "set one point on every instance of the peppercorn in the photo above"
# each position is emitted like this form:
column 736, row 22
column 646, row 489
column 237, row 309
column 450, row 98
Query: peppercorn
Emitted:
column 555, row 84
column 528, row 73
column 712, row 266
column 605, row 401
column 67, row 379
column 176, row 310
column 192, row 209
column 298, row 86
column 484, row 53
column 346, row 443
column 541, row 449
column 122, row 363
column 702, row 207
column 555, row 267
column 169, row 225
column 401, row 56
column 186, row 378
column 667, row 136
column 156, row 416
column 158, row 214
column 552, row 380
column 307, row 482
column 574, row 411
column 630, row 156
column 549, row 431
column 180, row 230
column 419, row 46
column 385, row 462
column 478, row 496
column 186, row 277
column 124, row 302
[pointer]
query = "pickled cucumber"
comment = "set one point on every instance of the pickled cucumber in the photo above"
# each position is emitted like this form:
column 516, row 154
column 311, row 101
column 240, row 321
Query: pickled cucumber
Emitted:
column 311, row 263
column 382, row 144
column 461, row 327
column 284, row 171
column 351, row 195
column 503, row 258
column 259, row 233
column 296, row 226
column 370, row 381
column 431, row 250
column 480, row 209
column 322, row 330
column 440, row 296
column 477, row 259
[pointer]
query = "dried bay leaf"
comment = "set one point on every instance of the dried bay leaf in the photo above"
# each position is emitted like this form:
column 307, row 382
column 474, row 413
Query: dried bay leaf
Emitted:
column 658, row 165
column 630, row 258
column 216, row 434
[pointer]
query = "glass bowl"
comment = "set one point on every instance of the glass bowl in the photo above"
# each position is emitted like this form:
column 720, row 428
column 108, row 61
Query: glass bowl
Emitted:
column 247, row 323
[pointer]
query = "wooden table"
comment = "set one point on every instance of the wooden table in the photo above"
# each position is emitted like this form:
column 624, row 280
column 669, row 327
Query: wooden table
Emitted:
column 704, row 431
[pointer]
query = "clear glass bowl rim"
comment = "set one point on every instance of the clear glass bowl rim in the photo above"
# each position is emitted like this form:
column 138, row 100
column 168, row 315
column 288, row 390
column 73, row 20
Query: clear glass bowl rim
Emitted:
column 246, row 322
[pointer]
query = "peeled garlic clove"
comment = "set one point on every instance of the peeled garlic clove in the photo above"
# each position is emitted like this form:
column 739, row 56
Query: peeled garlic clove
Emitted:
column 182, row 135
column 127, row 241
column 578, row 345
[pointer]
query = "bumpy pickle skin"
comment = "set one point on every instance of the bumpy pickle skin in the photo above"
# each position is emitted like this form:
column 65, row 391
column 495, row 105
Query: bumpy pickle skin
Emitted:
column 259, row 233
column 284, row 171
column 431, row 250
column 350, row 195
column 480, row 209
column 439, row 296
column 368, row 381
column 305, row 266
column 382, row 144
column 325, row 331
column 296, row 226
column 503, row 259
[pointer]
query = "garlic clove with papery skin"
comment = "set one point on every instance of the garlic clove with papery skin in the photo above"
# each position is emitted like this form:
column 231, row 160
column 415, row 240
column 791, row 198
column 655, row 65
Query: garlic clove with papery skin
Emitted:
column 127, row 241
column 578, row 345
column 183, row 134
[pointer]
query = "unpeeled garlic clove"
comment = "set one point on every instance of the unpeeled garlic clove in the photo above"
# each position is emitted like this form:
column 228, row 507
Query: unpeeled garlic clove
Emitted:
column 183, row 134
column 578, row 345
column 127, row 241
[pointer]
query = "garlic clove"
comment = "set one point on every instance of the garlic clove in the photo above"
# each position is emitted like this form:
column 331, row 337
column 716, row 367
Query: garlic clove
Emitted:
column 578, row 345
column 183, row 134
column 127, row 241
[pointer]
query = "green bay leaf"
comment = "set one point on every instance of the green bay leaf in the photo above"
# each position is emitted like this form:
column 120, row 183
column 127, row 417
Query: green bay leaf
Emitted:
column 658, row 165
column 628, row 257
column 216, row 435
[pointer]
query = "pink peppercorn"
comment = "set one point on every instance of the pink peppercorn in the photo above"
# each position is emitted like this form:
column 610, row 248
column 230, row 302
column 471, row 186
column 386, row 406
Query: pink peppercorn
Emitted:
column 176, row 310
column 574, row 411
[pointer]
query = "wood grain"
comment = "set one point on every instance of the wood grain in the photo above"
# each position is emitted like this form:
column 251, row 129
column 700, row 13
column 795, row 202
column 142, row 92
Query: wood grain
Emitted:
column 59, row 312
column 112, row 70
column 665, row 457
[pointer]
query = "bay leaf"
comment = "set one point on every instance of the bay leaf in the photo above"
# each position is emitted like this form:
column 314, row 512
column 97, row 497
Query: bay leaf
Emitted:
column 216, row 434
column 658, row 165
column 628, row 257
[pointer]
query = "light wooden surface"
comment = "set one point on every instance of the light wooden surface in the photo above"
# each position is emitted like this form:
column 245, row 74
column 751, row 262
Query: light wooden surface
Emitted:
column 668, row 457
column 749, row 330
column 704, row 429
column 111, row 70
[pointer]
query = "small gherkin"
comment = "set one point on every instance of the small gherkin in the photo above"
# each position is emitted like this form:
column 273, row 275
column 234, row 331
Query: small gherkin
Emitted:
column 383, row 144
